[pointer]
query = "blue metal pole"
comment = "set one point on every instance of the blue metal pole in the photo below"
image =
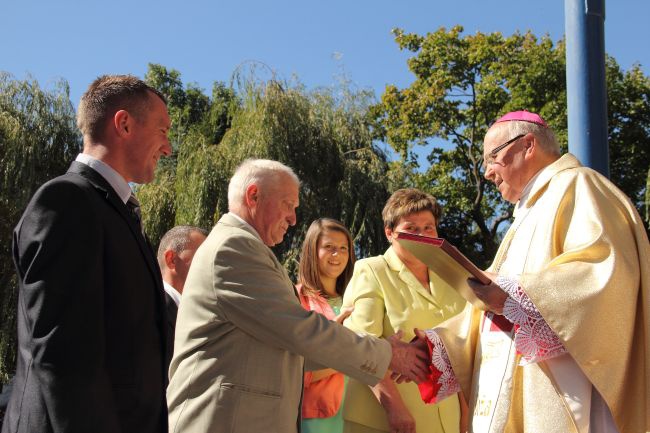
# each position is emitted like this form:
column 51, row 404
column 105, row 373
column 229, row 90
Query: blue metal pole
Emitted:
column 586, row 87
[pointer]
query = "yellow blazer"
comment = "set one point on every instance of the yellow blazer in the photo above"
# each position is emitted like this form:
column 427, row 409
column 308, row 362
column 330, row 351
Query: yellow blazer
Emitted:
column 387, row 297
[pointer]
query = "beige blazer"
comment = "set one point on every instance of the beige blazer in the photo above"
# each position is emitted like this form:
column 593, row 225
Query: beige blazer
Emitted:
column 242, row 336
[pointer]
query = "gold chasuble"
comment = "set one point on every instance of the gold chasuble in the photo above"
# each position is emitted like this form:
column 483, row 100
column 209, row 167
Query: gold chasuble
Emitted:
column 582, row 256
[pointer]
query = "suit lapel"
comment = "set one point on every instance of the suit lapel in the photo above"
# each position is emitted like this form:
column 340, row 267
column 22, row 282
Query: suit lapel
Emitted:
column 116, row 203
column 406, row 277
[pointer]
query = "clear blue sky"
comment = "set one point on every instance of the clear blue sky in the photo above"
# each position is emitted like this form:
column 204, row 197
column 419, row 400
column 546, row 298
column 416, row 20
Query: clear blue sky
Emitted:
column 315, row 40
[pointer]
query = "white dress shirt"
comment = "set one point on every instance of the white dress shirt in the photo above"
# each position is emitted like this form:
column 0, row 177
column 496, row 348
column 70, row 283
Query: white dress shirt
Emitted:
column 176, row 297
column 109, row 174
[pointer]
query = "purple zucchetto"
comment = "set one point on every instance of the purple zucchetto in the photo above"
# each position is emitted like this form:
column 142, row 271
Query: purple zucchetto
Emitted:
column 524, row 116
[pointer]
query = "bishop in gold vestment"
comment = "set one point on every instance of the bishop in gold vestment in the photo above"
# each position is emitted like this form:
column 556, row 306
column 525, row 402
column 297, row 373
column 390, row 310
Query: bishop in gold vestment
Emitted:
column 565, row 346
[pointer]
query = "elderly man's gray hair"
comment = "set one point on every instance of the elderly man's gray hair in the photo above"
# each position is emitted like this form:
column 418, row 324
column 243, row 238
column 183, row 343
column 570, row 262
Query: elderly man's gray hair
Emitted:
column 255, row 171
column 176, row 239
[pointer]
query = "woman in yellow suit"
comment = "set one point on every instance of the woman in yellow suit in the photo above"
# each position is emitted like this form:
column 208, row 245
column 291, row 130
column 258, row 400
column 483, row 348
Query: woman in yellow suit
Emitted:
column 396, row 292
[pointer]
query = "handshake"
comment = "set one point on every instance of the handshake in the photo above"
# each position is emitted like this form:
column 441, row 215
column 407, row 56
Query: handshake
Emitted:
column 410, row 361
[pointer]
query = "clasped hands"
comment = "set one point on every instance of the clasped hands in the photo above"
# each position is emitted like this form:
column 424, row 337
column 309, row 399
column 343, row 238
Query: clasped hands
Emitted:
column 410, row 361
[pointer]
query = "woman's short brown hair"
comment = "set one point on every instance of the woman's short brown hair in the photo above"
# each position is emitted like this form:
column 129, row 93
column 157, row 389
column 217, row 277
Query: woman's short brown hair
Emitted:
column 308, row 270
column 408, row 201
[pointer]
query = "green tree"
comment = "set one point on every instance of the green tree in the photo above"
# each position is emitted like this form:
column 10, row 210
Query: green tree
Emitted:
column 628, row 112
column 199, row 176
column 462, row 83
column 323, row 135
column 38, row 140
column 184, row 190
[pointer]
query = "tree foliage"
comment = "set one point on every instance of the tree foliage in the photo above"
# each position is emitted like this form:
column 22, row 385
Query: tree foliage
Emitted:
column 628, row 112
column 38, row 139
column 323, row 135
column 462, row 84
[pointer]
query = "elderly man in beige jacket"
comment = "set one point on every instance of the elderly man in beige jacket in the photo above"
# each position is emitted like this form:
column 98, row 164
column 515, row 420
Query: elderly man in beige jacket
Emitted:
column 241, row 335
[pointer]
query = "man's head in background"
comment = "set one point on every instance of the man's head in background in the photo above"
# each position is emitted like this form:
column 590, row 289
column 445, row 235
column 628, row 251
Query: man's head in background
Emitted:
column 176, row 251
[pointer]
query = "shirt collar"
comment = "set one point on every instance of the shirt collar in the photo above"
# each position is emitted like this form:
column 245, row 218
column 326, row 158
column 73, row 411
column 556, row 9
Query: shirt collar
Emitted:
column 241, row 220
column 172, row 292
column 111, row 176
column 526, row 192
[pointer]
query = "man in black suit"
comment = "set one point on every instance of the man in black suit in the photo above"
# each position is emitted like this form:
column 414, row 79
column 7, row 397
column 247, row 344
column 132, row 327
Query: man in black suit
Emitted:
column 91, row 318
column 175, row 253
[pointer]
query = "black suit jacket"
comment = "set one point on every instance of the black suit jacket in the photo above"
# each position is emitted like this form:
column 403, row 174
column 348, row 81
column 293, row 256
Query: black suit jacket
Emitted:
column 172, row 311
column 91, row 316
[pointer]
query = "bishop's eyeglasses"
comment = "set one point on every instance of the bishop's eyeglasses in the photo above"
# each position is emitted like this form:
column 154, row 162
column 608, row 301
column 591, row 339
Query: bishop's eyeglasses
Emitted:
column 489, row 159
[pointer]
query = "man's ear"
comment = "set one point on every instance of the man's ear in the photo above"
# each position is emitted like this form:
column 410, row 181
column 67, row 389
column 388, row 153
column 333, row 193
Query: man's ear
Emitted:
column 530, row 145
column 252, row 196
column 122, row 123
column 169, row 260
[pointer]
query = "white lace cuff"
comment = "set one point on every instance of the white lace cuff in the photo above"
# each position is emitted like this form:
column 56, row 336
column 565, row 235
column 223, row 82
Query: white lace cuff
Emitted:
column 440, row 360
column 534, row 339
